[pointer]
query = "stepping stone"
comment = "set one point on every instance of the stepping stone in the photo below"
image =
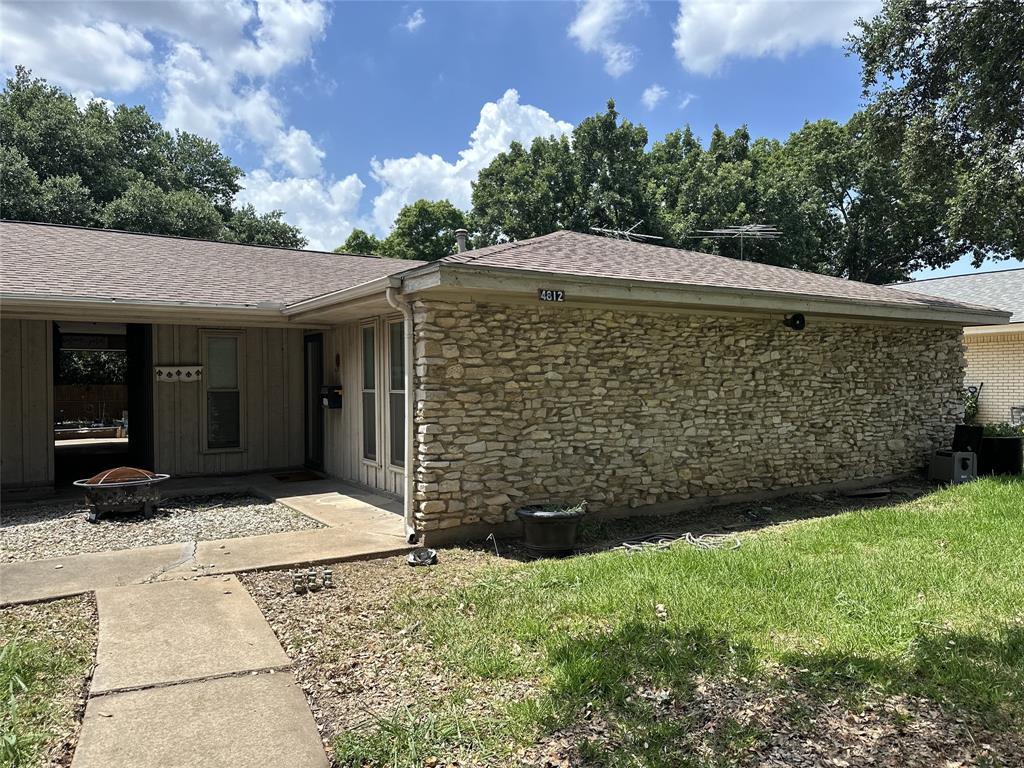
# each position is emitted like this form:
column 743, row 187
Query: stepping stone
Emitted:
column 176, row 631
column 252, row 721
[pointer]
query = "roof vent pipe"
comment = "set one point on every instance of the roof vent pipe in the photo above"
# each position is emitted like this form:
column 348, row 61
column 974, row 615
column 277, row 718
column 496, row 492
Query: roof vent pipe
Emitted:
column 460, row 238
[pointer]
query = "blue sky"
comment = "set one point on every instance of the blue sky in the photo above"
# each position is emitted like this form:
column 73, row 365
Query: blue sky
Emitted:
column 341, row 113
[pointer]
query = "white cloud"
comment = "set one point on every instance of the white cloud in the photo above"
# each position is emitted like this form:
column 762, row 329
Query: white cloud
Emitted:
column 595, row 27
column 326, row 212
column 708, row 33
column 653, row 95
column 214, row 61
column 685, row 101
column 415, row 20
column 407, row 179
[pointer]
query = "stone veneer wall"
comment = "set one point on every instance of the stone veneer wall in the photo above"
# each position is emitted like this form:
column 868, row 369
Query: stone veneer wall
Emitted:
column 518, row 404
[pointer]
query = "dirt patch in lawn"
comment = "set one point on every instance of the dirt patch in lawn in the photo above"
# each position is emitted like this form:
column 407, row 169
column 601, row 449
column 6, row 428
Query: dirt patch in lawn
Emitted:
column 42, row 530
column 355, row 664
column 47, row 661
column 777, row 722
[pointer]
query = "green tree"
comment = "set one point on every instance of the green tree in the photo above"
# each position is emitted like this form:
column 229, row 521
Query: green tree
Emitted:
column 361, row 242
column 611, row 168
column 65, row 200
column 947, row 82
column 248, row 226
column 595, row 180
column 144, row 207
column 871, row 221
column 424, row 230
column 19, row 186
column 525, row 193
column 117, row 167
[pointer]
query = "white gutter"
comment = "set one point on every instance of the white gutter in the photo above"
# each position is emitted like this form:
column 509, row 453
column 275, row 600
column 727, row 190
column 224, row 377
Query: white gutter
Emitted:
column 409, row 502
column 360, row 291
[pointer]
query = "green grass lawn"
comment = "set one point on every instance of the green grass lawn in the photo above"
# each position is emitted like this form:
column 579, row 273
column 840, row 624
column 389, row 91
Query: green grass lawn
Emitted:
column 923, row 600
column 46, row 654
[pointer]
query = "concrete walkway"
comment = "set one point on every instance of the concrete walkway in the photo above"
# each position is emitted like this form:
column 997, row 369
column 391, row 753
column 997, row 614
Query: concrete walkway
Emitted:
column 189, row 674
column 361, row 524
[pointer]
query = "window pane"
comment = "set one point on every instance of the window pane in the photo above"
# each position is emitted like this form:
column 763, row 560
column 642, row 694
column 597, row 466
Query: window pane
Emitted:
column 396, row 350
column 222, row 420
column 369, row 377
column 397, row 428
column 370, row 426
column 222, row 356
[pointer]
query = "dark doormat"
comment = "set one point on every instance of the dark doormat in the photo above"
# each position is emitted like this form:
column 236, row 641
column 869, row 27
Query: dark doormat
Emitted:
column 298, row 476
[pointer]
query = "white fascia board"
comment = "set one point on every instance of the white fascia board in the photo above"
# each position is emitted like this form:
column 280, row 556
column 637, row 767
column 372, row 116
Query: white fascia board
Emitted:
column 988, row 330
column 518, row 281
column 176, row 313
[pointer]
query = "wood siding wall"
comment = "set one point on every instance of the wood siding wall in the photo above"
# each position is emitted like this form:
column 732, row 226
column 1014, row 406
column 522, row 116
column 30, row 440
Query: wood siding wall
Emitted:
column 272, row 394
column 26, row 403
column 343, row 449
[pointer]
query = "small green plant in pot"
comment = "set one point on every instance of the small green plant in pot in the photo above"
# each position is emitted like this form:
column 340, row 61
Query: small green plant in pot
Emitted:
column 551, row 529
column 1002, row 450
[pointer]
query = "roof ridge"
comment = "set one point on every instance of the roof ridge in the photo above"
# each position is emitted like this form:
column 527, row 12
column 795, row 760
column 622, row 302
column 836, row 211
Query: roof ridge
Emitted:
column 510, row 245
column 187, row 239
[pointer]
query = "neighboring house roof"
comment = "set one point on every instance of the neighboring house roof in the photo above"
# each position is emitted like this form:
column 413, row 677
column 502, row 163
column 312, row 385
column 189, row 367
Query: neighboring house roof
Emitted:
column 579, row 255
column 81, row 263
column 1003, row 289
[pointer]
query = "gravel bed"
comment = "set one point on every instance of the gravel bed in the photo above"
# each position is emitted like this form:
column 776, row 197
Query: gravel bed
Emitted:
column 41, row 531
column 51, row 710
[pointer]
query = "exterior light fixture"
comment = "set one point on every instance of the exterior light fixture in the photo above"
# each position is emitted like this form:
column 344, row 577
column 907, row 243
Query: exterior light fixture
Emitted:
column 796, row 321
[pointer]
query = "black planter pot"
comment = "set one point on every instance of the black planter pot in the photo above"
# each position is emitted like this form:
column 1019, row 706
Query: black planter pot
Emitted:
column 1001, row 456
column 550, row 533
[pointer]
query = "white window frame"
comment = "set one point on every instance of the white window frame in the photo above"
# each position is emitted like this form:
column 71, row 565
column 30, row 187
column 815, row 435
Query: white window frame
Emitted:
column 374, row 326
column 204, row 437
column 388, row 323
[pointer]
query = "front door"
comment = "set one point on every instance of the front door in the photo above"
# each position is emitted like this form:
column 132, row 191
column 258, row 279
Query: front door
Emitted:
column 314, row 379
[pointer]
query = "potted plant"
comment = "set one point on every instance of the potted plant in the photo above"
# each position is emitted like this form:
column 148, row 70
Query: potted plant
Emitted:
column 1001, row 450
column 551, row 529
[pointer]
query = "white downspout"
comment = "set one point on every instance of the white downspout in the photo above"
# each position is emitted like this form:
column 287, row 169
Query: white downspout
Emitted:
column 395, row 300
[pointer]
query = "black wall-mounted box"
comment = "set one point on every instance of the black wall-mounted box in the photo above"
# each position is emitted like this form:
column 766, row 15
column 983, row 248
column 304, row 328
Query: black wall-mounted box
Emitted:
column 330, row 396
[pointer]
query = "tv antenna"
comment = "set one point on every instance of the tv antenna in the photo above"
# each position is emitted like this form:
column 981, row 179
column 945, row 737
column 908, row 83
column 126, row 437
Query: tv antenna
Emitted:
column 741, row 231
column 626, row 234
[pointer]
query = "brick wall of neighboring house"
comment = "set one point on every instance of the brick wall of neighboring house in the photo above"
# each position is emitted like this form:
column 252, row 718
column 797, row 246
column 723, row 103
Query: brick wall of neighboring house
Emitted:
column 518, row 404
column 997, row 360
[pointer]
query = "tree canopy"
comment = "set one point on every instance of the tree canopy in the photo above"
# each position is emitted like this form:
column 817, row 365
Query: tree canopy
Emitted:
column 116, row 167
column 423, row 230
column 946, row 80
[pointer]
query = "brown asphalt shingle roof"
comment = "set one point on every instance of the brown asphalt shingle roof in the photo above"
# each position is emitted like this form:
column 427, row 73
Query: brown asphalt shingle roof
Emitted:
column 77, row 262
column 54, row 261
column 578, row 255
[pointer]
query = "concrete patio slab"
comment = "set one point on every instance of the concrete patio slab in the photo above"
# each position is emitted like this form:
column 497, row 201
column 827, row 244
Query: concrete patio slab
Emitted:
column 370, row 514
column 361, row 524
column 242, row 722
column 170, row 632
column 66, row 576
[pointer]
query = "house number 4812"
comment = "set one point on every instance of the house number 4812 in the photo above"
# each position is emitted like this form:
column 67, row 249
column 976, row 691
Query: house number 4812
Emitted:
column 547, row 294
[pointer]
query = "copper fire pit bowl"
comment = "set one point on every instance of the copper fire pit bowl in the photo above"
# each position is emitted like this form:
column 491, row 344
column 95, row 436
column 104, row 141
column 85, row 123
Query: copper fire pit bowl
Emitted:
column 121, row 490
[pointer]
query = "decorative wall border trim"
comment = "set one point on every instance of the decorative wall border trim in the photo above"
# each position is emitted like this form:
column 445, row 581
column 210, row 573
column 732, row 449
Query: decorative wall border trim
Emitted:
column 178, row 373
